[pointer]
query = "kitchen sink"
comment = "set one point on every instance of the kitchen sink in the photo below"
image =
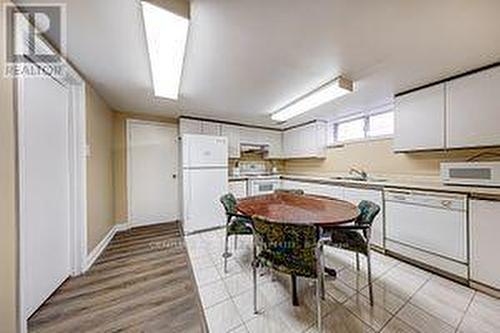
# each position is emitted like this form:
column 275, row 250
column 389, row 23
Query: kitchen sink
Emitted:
column 359, row 179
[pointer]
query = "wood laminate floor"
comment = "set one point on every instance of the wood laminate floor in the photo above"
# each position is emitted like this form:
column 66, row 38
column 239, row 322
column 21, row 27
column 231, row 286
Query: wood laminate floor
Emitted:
column 142, row 282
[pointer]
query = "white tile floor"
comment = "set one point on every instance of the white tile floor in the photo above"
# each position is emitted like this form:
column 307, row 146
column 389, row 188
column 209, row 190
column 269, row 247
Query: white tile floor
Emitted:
column 407, row 299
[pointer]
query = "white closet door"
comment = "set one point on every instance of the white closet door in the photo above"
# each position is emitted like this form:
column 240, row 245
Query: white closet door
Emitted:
column 44, row 188
column 153, row 163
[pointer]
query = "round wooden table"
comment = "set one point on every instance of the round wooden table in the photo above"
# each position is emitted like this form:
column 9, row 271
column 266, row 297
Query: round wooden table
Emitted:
column 283, row 207
column 299, row 209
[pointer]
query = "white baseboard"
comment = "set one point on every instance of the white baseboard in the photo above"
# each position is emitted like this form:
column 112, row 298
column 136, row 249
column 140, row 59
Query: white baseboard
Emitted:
column 96, row 252
column 146, row 223
column 123, row 226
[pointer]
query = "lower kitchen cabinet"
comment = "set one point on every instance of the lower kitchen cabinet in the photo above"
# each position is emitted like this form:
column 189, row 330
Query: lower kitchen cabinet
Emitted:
column 485, row 242
column 238, row 188
column 356, row 195
column 331, row 191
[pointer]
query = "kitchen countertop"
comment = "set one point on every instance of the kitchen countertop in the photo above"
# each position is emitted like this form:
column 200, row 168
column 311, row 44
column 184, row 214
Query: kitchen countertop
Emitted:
column 403, row 182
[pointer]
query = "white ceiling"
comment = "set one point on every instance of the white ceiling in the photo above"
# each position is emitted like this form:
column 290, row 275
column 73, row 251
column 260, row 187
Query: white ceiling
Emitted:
column 246, row 58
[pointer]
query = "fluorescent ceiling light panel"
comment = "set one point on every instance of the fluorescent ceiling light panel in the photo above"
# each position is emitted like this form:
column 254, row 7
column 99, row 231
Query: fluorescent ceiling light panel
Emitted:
column 327, row 92
column 166, row 35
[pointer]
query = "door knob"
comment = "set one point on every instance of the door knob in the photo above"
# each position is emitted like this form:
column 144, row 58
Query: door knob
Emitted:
column 174, row 176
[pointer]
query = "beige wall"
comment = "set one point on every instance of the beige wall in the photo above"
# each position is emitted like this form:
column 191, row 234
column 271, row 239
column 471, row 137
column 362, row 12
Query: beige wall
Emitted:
column 376, row 157
column 8, row 202
column 120, row 159
column 100, row 196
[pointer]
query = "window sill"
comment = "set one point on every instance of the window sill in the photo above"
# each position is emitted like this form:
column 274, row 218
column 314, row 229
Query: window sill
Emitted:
column 339, row 144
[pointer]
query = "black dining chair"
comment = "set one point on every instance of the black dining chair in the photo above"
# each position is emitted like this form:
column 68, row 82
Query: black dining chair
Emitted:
column 356, row 237
column 237, row 224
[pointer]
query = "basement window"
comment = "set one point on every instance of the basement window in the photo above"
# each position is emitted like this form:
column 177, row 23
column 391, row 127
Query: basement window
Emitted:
column 381, row 124
column 351, row 130
column 363, row 127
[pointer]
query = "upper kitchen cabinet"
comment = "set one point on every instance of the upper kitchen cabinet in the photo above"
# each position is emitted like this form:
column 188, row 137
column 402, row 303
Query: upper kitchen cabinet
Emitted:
column 419, row 120
column 260, row 136
column 305, row 141
column 189, row 126
column 211, row 128
column 232, row 133
column 194, row 126
column 275, row 141
column 473, row 110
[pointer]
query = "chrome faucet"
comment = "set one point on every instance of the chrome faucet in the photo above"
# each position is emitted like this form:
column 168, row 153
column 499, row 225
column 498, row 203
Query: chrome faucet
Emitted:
column 361, row 173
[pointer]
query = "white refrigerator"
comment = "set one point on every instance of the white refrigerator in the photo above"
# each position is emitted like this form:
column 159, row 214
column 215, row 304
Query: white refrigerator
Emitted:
column 204, row 181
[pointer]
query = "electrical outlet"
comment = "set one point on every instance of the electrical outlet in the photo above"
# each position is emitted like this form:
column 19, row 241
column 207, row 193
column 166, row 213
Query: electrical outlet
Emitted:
column 87, row 151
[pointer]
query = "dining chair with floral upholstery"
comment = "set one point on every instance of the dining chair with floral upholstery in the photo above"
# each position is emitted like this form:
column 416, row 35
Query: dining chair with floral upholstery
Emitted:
column 290, row 249
column 237, row 224
column 356, row 237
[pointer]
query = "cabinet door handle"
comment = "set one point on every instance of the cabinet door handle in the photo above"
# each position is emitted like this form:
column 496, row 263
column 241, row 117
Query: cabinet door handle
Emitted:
column 446, row 203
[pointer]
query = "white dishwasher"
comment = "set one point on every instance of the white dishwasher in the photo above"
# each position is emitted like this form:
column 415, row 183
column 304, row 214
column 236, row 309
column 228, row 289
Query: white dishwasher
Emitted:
column 428, row 227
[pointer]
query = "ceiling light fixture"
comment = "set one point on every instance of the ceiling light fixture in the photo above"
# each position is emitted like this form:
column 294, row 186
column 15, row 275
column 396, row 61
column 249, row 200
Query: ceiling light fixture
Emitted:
column 166, row 35
column 331, row 90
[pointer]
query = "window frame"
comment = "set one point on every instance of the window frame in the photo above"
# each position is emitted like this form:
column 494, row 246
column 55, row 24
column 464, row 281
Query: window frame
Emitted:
column 336, row 129
column 334, row 141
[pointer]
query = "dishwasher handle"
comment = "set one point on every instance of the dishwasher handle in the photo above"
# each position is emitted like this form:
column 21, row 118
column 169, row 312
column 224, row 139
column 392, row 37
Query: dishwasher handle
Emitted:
column 430, row 200
column 402, row 196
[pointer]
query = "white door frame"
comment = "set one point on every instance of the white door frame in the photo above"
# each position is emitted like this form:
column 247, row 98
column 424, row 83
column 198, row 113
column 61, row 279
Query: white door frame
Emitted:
column 77, row 174
column 129, row 124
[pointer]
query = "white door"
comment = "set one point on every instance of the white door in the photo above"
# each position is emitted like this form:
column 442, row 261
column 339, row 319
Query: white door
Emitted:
column 152, row 172
column 44, row 189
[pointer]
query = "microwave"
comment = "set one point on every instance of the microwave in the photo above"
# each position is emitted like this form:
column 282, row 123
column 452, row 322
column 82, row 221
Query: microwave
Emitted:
column 471, row 173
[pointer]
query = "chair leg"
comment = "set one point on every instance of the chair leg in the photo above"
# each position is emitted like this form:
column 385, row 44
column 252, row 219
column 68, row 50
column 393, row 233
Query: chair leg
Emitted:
column 320, row 286
column 295, row 297
column 254, row 267
column 357, row 261
column 255, row 311
column 318, row 305
column 235, row 242
column 369, row 266
column 321, row 275
column 273, row 276
column 226, row 253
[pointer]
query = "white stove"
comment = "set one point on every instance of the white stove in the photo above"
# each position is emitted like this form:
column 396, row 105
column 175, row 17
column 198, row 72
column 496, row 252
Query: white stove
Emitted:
column 264, row 184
